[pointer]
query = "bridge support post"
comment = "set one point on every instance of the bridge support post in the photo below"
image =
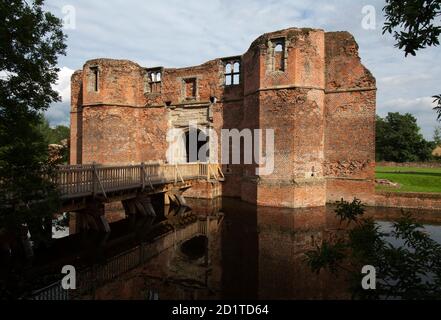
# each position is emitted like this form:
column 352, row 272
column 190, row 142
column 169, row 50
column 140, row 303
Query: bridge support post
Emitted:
column 166, row 199
column 141, row 205
column 143, row 176
column 177, row 197
column 94, row 180
column 92, row 217
column 129, row 207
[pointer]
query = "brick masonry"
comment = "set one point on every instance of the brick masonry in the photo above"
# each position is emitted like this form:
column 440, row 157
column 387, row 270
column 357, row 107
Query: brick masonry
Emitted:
column 408, row 200
column 427, row 164
column 314, row 93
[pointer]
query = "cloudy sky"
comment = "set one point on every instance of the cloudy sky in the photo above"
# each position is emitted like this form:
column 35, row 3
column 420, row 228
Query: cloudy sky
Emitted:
column 176, row 33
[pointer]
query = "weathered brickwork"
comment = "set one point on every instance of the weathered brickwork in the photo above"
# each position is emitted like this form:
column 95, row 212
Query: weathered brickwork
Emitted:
column 349, row 120
column 408, row 200
column 307, row 85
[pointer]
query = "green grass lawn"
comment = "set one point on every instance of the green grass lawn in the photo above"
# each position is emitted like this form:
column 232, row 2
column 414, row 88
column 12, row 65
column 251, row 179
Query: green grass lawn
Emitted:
column 411, row 179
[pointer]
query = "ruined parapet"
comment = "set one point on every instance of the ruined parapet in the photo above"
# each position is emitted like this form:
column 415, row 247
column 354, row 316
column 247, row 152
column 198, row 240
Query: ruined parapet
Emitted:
column 350, row 121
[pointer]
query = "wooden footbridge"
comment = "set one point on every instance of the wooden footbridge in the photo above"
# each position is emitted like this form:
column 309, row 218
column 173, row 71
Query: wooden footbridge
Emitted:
column 78, row 184
column 79, row 181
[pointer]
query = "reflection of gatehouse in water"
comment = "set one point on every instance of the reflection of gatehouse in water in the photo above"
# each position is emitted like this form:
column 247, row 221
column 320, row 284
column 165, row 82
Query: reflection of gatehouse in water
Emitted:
column 245, row 252
column 177, row 230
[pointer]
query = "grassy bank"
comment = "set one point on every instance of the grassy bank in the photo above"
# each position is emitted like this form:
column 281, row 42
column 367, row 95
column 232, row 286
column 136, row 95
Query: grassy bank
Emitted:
column 411, row 179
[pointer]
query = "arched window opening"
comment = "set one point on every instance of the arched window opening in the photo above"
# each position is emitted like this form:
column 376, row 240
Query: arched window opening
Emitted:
column 228, row 68
column 279, row 55
column 236, row 67
column 232, row 72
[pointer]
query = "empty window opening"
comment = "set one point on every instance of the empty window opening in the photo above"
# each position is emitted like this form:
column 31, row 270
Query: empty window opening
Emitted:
column 236, row 67
column 232, row 72
column 94, row 71
column 279, row 55
column 228, row 68
column 154, row 80
column 190, row 88
column 228, row 80
column 236, row 79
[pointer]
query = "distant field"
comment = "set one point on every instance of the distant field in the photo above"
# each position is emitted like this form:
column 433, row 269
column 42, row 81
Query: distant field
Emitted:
column 411, row 179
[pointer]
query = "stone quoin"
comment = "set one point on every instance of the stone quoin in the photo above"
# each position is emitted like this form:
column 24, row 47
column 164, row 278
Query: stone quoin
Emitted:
column 308, row 85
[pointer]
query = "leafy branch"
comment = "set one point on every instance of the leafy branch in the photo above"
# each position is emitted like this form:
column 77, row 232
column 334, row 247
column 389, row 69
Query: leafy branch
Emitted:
column 408, row 271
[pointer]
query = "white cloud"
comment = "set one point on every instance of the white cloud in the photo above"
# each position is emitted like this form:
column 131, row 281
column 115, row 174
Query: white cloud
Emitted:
column 175, row 33
column 63, row 83
column 399, row 80
column 421, row 108
column 409, row 105
column 58, row 113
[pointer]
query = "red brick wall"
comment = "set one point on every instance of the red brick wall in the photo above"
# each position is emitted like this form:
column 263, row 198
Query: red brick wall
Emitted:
column 76, row 120
column 321, row 106
column 291, row 102
column 349, row 121
column 408, row 200
column 204, row 190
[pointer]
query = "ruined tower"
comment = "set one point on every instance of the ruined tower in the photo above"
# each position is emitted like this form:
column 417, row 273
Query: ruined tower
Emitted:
column 307, row 85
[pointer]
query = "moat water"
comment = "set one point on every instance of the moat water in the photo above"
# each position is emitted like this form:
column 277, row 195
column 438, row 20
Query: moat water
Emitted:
column 252, row 253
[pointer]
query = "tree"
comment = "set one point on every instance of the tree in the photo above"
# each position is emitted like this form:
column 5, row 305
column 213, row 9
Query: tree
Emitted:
column 55, row 136
column 31, row 40
column 411, row 271
column 415, row 25
column 437, row 136
column 398, row 139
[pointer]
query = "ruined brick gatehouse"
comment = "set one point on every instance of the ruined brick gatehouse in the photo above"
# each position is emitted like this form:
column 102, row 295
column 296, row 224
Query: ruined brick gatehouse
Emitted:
column 306, row 84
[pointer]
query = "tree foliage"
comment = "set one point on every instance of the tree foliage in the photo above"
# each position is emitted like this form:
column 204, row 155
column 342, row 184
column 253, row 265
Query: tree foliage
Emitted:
column 437, row 136
column 398, row 139
column 54, row 135
column 58, row 135
column 31, row 40
column 415, row 25
column 408, row 271
column 437, row 99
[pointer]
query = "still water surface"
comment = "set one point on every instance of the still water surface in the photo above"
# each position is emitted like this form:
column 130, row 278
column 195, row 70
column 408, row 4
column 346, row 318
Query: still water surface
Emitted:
column 251, row 253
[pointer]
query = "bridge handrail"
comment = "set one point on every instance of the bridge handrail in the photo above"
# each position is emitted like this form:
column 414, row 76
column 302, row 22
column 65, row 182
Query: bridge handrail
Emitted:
column 93, row 179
